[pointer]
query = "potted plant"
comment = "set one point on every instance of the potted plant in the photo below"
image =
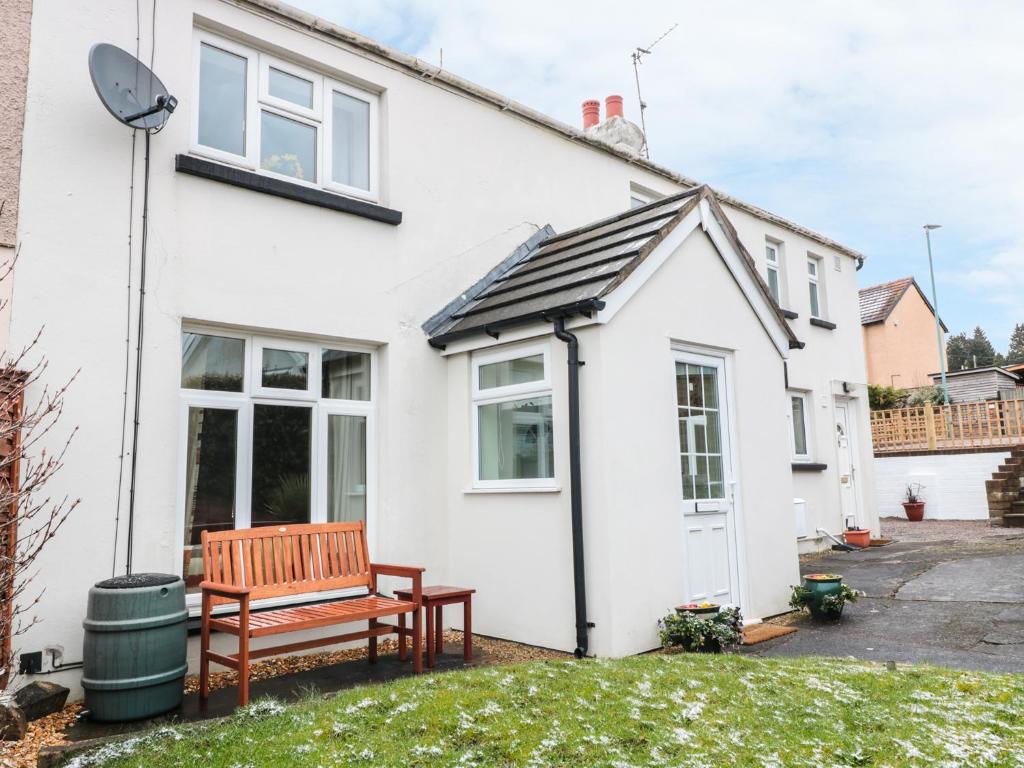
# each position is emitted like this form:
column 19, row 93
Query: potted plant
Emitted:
column 698, row 608
column 913, row 503
column 824, row 595
column 708, row 632
column 857, row 537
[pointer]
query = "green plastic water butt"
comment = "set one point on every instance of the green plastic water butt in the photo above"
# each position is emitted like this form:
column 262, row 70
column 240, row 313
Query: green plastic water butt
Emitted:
column 134, row 661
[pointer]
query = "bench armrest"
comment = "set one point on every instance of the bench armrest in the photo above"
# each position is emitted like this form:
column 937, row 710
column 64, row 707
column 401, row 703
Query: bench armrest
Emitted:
column 405, row 571
column 224, row 590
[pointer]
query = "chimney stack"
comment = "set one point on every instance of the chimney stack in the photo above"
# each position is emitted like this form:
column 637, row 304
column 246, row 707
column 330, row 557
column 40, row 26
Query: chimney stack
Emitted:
column 613, row 107
column 591, row 113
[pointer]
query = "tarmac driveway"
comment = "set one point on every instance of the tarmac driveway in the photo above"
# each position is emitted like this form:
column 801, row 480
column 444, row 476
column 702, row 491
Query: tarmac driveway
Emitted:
column 954, row 602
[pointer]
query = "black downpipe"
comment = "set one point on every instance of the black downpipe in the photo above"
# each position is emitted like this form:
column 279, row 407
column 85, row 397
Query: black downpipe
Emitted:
column 578, row 571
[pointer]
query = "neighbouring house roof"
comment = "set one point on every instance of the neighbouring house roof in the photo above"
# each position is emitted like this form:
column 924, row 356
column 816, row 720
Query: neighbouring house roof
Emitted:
column 983, row 369
column 559, row 275
column 878, row 301
column 430, row 73
column 1017, row 368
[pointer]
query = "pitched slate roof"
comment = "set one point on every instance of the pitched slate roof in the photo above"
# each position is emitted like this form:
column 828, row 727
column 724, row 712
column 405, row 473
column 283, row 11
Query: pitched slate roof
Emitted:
column 560, row 275
column 878, row 301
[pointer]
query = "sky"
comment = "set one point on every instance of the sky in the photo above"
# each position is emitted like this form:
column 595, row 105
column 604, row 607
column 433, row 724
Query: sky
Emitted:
column 861, row 120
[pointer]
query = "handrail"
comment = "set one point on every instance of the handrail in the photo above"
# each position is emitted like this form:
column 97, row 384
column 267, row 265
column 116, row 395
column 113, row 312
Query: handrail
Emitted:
column 982, row 424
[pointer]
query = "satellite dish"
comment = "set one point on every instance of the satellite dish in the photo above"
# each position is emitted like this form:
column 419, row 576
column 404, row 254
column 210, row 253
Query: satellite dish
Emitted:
column 127, row 88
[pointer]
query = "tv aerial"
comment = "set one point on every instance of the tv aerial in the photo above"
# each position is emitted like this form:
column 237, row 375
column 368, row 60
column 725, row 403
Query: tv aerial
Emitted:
column 638, row 56
column 135, row 97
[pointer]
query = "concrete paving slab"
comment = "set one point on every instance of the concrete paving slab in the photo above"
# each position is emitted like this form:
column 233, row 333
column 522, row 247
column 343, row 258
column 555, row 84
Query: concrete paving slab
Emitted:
column 955, row 603
column 998, row 579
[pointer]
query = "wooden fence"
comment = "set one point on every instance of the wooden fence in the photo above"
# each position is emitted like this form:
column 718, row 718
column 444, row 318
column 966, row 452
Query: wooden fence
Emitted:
column 948, row 427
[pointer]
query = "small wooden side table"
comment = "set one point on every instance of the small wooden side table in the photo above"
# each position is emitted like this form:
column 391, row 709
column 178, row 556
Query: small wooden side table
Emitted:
column 434, row 599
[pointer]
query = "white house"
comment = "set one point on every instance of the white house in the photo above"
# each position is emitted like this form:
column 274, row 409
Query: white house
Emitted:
column 364, row 279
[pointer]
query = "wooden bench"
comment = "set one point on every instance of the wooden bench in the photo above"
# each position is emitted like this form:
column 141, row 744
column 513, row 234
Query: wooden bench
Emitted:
column 293, row 560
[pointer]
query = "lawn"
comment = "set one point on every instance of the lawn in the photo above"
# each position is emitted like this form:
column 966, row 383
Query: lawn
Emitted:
column 654, row 710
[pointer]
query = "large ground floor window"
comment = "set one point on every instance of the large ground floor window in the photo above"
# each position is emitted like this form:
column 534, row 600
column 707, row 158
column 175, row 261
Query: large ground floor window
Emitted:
column 275, row 432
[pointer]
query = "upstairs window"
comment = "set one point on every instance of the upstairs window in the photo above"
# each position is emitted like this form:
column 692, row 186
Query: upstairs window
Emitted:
column 280, row 119
column 512, row 419
column 773, row 270
column 814, row 287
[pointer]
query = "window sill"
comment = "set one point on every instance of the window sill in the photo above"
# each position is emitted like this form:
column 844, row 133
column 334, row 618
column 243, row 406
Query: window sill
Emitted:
column 823, row 323
column 516, row 489
column 789, row 314
column 238, row 177
column 809, row 466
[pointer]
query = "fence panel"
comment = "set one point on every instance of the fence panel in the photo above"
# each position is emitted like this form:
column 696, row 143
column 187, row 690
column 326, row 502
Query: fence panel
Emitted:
column 989, row 423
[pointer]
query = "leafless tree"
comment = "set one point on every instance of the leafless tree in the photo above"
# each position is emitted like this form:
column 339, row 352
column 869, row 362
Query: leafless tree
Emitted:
column 29, row 516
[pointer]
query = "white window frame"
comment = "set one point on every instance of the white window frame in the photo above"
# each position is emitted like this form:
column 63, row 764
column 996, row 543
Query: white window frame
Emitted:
column 774, row 265
column 373, row 100
column 244, row 402
column 258, row 100
column 814, row 279
column 312, row 390
column 250, row 159
column 492, row 395
column 269, row 62
column 804, row 397
column 642, row 196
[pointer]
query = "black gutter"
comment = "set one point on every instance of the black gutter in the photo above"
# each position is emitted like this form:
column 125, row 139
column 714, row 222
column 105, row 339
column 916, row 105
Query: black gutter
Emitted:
column 585, row 307
column 576, row 493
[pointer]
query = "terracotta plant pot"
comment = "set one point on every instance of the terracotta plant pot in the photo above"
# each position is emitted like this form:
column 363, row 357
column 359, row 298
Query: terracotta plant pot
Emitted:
column 914, row 510
column 861, row 537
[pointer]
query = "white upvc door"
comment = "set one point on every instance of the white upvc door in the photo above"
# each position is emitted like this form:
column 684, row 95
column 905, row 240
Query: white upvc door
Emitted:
column 706, row 479
column 846, row 447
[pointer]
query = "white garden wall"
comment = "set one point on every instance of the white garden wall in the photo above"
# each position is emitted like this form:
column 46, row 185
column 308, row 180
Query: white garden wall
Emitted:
column 953, row 483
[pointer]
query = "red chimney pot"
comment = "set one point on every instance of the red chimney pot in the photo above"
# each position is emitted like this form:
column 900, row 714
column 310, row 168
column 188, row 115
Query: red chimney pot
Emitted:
column 613, row 107
column 591, row 113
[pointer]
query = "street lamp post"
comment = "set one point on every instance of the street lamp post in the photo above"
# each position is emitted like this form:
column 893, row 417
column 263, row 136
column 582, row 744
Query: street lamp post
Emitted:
column 935, row 303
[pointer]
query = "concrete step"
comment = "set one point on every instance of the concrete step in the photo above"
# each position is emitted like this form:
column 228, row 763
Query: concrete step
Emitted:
column 1013, row 520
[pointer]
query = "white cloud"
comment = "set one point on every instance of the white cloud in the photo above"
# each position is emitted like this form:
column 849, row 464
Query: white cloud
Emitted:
column 863, row 120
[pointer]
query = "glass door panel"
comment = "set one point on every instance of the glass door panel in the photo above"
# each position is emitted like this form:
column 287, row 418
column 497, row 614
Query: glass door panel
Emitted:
column 212, row 447
column 346, row 468
column 700, row 432
column 281, row 455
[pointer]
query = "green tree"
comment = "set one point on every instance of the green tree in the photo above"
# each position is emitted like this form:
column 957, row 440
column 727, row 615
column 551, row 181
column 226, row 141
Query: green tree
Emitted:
column 1015, row 353
column 980, row 351
column 957, row 354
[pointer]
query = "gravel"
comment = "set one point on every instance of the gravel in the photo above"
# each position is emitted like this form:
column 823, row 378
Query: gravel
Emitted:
column 495, row 651
column 944, row 530
column 44, row 732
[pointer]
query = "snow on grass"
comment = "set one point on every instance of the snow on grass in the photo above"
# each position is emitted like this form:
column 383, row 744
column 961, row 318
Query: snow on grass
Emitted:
column 658, row 710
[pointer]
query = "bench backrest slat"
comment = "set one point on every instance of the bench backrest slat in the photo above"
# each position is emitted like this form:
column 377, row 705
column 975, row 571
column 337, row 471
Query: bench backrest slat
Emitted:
column 282, row 560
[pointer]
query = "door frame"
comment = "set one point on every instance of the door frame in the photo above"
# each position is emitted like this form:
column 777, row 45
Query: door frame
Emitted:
column 688, row 352
column 853, row 439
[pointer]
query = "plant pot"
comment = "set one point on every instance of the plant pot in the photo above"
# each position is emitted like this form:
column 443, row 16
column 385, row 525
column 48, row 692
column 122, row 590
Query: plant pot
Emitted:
column 697, row 610
column 858, row 538
column 821, row 586
column 914, row 510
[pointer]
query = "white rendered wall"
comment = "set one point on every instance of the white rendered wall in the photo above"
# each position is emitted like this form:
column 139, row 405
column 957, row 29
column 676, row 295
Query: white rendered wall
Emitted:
column 953, row 483
column 472, row 181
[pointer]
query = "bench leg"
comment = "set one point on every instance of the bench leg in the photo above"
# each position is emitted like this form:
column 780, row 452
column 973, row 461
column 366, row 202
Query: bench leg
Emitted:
column 204, row 648
column 429, row 610
column 401, row 637
column 439, row 629
column 243, row 654
column 417, row 641
column 373, row 643
column 467, row 630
